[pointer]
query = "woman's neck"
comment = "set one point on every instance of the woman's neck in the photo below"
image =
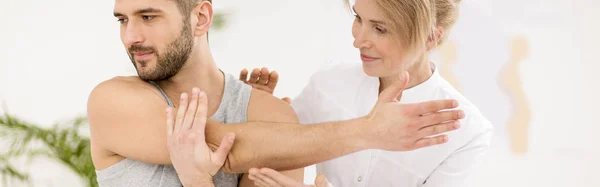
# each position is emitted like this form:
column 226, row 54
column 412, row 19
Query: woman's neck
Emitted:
column 418, row 73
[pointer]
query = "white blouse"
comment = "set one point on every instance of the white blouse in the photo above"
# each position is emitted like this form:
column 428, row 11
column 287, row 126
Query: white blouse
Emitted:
column 345, row 92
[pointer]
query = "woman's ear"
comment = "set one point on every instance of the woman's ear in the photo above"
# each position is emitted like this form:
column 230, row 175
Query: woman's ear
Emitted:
column 434, row 39
column 203, row 13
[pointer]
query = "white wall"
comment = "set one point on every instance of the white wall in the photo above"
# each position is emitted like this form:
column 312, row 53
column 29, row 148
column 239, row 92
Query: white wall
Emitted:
column 52, row 53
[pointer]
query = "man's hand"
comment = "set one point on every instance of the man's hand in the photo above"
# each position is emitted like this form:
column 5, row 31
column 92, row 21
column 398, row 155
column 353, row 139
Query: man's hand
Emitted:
column 262, row 79
column 194, row 161
column 267, row 177
column 405, row 127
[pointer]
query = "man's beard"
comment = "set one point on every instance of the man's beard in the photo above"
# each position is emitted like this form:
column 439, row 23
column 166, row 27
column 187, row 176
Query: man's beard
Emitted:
column 168, row 64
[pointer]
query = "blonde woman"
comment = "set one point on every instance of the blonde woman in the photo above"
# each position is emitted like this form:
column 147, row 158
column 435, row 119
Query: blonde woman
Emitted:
column 394, row 36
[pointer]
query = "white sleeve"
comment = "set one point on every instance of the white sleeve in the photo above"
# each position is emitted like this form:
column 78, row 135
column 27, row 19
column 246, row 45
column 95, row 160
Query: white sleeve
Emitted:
column 305, row 104
column 455, row 169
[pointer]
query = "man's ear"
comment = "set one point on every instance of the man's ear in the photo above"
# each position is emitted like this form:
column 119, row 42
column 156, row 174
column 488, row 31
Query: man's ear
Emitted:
column 434, row 39
column 203, row 13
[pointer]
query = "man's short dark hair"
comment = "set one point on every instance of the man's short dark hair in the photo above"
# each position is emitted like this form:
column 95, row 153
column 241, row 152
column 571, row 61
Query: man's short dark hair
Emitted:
column 186, row 6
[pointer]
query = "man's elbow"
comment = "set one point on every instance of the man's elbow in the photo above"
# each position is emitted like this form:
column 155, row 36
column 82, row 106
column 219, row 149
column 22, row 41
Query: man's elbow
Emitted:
column 240, row 163
column 232, row 166
column 227, row 167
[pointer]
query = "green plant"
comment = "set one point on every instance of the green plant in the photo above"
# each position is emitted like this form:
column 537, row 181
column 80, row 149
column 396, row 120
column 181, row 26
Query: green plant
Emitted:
column 62, row 142
column 219, row 20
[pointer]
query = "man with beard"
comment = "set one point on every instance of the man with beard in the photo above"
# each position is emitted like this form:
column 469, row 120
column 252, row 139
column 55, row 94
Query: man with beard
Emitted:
column 167, row 43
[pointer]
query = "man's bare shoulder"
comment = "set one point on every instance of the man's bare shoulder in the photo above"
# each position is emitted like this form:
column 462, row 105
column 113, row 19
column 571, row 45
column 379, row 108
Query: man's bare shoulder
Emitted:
column 266, row 107
column 121, row 88
column 118, row 95
column 123, row 84
column 124, row 113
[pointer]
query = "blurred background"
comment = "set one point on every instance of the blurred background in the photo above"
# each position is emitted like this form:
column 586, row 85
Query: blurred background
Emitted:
column 527, row 64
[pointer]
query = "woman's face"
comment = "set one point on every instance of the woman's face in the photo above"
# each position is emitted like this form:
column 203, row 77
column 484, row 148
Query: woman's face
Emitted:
column 381, row 53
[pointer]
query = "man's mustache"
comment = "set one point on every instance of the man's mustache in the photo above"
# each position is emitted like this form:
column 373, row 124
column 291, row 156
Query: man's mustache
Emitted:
column 141, row 49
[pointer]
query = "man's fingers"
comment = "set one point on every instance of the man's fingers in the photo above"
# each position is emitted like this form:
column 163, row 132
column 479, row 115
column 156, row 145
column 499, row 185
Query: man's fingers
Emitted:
column 170, row 121
column 244, row 75
column 224, row 148
column 441, row 117
column 394, row 92
column 438, row 129
column 191, row 111
column 264, row 76
column 183, row 105
column 431, row 141
column 254, row 76
column 201, row 113
column 273, row 79
column 280, row 178
column 429, row 107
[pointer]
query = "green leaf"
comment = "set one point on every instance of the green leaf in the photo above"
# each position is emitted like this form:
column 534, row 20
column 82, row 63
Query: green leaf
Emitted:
column 62, row 143
column 219, row 20
column 10, row 171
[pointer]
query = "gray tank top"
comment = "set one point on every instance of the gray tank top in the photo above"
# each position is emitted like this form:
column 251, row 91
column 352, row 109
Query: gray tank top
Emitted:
column 133, row 173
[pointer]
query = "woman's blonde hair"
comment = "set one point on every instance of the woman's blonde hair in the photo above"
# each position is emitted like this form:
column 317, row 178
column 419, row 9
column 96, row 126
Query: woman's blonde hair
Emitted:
column 415, row 21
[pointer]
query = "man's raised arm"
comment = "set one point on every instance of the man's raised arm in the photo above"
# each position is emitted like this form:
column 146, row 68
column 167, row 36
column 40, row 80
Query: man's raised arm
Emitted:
column 129, row 122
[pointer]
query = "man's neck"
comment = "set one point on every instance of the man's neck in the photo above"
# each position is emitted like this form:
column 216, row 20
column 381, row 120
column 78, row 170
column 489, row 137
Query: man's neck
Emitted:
column 201, row 72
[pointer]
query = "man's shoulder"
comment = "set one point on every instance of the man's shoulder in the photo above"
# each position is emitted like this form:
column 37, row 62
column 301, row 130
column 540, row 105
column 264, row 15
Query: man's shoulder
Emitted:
column 122, row 83
column 266, row 107
column 122, row 92
column 124, row 86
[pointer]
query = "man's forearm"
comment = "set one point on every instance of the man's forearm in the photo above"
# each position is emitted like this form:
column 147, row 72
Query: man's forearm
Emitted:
column 286, row 146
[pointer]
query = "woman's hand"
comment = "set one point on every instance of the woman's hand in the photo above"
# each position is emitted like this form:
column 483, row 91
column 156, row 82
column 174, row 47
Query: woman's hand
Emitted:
column 193, row 160
column 262, row 79
column 267, row 177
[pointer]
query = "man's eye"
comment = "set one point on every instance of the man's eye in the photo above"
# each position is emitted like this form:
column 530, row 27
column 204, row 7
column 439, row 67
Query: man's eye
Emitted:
column 121, row 20
column 148, row 18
